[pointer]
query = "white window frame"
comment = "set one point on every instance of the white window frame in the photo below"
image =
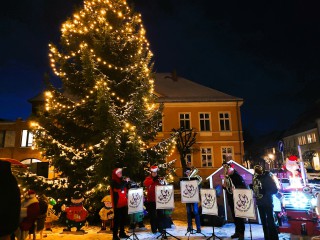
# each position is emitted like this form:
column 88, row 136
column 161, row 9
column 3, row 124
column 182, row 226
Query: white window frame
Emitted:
column 226, row 153
column 26, row 138
column 205, row 157
column 185, row 119
column 205, row 120
column 224, row 119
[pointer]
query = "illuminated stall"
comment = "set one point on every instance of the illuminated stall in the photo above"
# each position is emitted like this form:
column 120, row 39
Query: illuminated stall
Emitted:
column 299, row 215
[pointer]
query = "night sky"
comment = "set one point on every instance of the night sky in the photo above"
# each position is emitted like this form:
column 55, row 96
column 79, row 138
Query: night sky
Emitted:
column 266, row 52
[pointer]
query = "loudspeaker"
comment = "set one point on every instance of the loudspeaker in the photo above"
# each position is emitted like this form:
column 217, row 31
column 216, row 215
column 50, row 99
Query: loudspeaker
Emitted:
column 40, row 168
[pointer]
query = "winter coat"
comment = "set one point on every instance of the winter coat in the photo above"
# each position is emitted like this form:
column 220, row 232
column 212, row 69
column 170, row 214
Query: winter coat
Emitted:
column 236, row 180
column 29, row 212
column 106, row 213
column 43, row 208
column 264, row 187
column 76, row 213
column 119, row 191
column 10, row 202
column 150, row 183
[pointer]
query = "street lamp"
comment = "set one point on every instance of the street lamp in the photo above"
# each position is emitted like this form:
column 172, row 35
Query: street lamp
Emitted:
column 269, row 159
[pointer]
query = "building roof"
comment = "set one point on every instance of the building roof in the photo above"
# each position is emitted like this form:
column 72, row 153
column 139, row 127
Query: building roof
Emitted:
column 38, row 98
column 171, row 88
column 230, row 162
column 306, row 121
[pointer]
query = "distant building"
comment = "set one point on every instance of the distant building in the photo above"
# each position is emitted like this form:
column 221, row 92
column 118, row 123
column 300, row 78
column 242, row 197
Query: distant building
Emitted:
column 214, row 115
column 305, row 133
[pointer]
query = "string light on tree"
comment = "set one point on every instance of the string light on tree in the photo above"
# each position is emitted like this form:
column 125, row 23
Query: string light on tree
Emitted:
column 104, row 111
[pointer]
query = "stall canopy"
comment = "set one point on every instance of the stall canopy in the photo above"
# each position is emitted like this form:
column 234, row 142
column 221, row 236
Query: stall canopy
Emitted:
column 14, row 162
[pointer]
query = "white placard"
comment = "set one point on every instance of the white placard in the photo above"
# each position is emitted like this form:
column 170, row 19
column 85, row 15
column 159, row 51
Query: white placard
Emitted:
column 189, row 191
column 244, row 204
column 209, row 201
column 135, row 200
column 164, row 197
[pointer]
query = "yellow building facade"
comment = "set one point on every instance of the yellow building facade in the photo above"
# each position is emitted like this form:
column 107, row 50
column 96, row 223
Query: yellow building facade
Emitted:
column 214, row 116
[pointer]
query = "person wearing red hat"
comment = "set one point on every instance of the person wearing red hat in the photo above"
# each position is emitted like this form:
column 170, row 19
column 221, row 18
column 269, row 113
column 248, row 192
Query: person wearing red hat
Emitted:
column 156, row 216
column 119, row 189
column 30, row 211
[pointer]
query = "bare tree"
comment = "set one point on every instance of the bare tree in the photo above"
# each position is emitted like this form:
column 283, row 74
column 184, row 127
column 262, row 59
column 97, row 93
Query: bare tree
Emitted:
column 185, row 139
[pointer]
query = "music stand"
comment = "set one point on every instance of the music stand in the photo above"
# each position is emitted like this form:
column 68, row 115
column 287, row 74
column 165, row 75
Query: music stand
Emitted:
column 165, row 200
column 135, row 206
column 209, row 207
column 133, row 235
column 193, row 231
column 164, row 234
column 213, row 235
column 190, row 195
column 246, row 209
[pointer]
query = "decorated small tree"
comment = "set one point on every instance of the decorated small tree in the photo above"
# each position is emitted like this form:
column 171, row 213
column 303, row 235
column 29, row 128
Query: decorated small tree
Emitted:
column 104, row 110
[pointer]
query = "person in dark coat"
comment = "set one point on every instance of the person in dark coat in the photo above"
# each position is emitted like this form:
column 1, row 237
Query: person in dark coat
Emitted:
column 10, row 202
column 119, row 189
column 234, row 180
column 264, row 187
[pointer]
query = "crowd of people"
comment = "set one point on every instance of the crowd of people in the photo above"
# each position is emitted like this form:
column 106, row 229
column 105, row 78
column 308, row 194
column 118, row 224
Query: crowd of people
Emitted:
column 25, row 216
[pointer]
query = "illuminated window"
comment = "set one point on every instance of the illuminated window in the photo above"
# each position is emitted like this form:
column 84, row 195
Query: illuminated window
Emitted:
column 302, row 140
column 204, row 121
column 311, row 138
column 224, row 119
column 206, row 157
column 27, row 138
column 226, row 153
column 184, row 120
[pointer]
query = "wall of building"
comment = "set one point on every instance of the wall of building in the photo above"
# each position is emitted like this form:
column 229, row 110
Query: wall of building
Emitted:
column 215, row 138
column 16, row 150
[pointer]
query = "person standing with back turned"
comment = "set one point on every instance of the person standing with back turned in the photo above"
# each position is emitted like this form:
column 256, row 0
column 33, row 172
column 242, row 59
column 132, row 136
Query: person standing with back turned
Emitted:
column 234, row 180
column 264, row 187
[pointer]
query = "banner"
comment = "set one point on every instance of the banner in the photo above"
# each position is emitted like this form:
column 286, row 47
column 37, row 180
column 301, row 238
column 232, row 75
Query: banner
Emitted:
column 209, row 201
column 135, row 200
column 189, row 191
column 244, row 204
column 164, row 197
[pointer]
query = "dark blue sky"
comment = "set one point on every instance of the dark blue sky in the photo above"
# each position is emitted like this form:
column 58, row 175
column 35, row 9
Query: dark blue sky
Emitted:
column 266, row 53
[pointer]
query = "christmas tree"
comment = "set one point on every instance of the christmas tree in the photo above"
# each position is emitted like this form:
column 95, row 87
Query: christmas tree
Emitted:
column 105, row 112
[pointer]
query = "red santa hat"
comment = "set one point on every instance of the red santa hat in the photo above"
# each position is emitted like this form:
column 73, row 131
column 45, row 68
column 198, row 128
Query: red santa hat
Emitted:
column 154, row 168
column 293, row 158
column 118, row 170
column 31, row 194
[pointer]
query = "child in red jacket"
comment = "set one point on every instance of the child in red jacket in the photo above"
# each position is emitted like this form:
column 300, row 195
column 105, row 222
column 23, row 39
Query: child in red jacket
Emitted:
column 119, row 188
